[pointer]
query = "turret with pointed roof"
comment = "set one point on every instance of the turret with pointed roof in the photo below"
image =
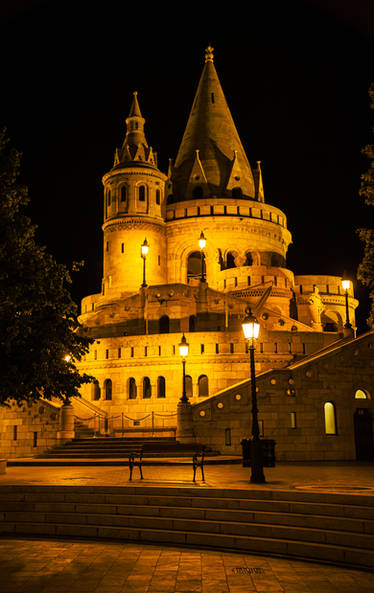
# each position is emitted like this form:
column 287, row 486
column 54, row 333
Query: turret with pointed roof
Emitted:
column 135, row 147
column 211, row 160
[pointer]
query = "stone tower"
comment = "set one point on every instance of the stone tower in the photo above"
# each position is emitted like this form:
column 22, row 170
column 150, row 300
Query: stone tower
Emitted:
column 134, row 191
column 205, row 293
column 212, row 188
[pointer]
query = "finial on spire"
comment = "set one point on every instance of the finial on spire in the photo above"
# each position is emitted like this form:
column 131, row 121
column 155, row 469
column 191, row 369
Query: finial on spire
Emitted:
column 135, row 109
column 209, row 53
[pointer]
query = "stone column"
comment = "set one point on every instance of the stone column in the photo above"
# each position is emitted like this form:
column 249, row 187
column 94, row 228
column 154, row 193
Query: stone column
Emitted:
column 67, row 432
column 185, row 432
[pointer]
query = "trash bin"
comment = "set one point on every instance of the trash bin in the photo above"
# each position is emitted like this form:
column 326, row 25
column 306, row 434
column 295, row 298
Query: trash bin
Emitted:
column 268, row 452
column 246, row 452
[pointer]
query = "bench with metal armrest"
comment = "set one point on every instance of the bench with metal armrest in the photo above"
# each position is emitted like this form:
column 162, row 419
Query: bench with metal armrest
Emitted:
column 136, row 460
column 198, row 461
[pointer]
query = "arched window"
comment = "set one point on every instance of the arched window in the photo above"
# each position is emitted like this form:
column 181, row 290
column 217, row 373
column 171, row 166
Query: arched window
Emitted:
column 141, row 193
column 189, row 388
column 192, row 323
column 161, row 387
column 147, row 390
column 331, row 321
column 123, row 193
column 330, row 418
column 194, row 265
column 108, row 389
column 230, row 261
column 197, row 192
column 108, row 197
column 248, row 259
column 203, row 386
column 158, row 196
column 237, row 192
column 362, row 394
column 132, row 388
column 95, row 391
column 164, row 324
column 277, row 260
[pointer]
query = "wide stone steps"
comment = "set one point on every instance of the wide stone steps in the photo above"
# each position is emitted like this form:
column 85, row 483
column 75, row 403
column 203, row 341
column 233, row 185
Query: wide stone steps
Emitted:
column 332, row 528
column 119, row 448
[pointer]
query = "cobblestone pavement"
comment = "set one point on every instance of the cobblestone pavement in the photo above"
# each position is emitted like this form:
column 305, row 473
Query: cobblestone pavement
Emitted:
column 318, row 477
column 61, row 566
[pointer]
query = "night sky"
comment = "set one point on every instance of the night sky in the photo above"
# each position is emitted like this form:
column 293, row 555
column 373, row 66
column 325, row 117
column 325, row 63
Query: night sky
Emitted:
column 295, row 75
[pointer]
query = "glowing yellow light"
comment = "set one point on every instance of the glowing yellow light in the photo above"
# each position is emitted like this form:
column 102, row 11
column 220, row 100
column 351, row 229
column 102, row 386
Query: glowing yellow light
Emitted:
column 346, row 284
column 202, row 241
column 183, row 347
column 144, row 248
column 67, row 358
column 251, row 327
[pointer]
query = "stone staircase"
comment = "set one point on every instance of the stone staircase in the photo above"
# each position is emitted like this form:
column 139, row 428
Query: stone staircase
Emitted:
column 82, row 430
column 119, row 448
column 334, row 528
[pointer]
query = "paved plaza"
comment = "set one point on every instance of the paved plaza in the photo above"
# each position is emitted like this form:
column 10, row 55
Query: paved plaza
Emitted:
column 353, row 478
column 40, row 565
column 61, row 566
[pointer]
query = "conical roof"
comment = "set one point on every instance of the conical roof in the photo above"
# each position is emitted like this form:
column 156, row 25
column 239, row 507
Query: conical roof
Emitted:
column 135, row 149
column 211, row 145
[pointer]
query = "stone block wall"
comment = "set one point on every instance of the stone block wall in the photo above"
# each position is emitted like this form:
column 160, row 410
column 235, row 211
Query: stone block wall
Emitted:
column 291, row 403
column 28, row 430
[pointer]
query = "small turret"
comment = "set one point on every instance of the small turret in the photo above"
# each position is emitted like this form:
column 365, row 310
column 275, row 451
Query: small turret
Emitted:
column 134, row 197
column 135, row 147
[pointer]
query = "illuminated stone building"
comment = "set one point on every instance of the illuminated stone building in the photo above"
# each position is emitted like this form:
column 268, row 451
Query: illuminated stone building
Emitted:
column 146, row 304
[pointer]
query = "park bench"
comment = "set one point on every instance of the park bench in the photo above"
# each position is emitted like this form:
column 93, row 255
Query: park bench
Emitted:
column 136, row 460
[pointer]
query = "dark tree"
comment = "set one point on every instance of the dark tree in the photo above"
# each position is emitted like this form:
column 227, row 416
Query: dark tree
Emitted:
column 38, row 319
column 365, row 272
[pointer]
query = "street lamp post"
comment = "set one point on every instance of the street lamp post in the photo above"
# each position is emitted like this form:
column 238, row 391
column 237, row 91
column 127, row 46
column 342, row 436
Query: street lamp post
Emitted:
column 346, row 284
column 183, row 351
column 251, row 329
column 202, row 243
column 143, row 252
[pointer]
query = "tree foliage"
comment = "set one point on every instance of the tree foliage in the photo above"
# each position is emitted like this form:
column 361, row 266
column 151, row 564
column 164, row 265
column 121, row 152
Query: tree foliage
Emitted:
column 365, row 272
column 38, row 319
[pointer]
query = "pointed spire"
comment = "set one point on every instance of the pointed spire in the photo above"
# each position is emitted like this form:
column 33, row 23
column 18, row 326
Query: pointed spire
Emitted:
column 135, row 148
column 211, row 130
column 135, row 109
column 259, row 195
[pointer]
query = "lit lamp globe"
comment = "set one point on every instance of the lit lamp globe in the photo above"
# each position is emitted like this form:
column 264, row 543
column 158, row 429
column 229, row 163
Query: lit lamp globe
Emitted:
column 183, row 351
column 202, row 241
column 183, row 347
column 144, row 248
column 251, row 327
column 346, row 284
